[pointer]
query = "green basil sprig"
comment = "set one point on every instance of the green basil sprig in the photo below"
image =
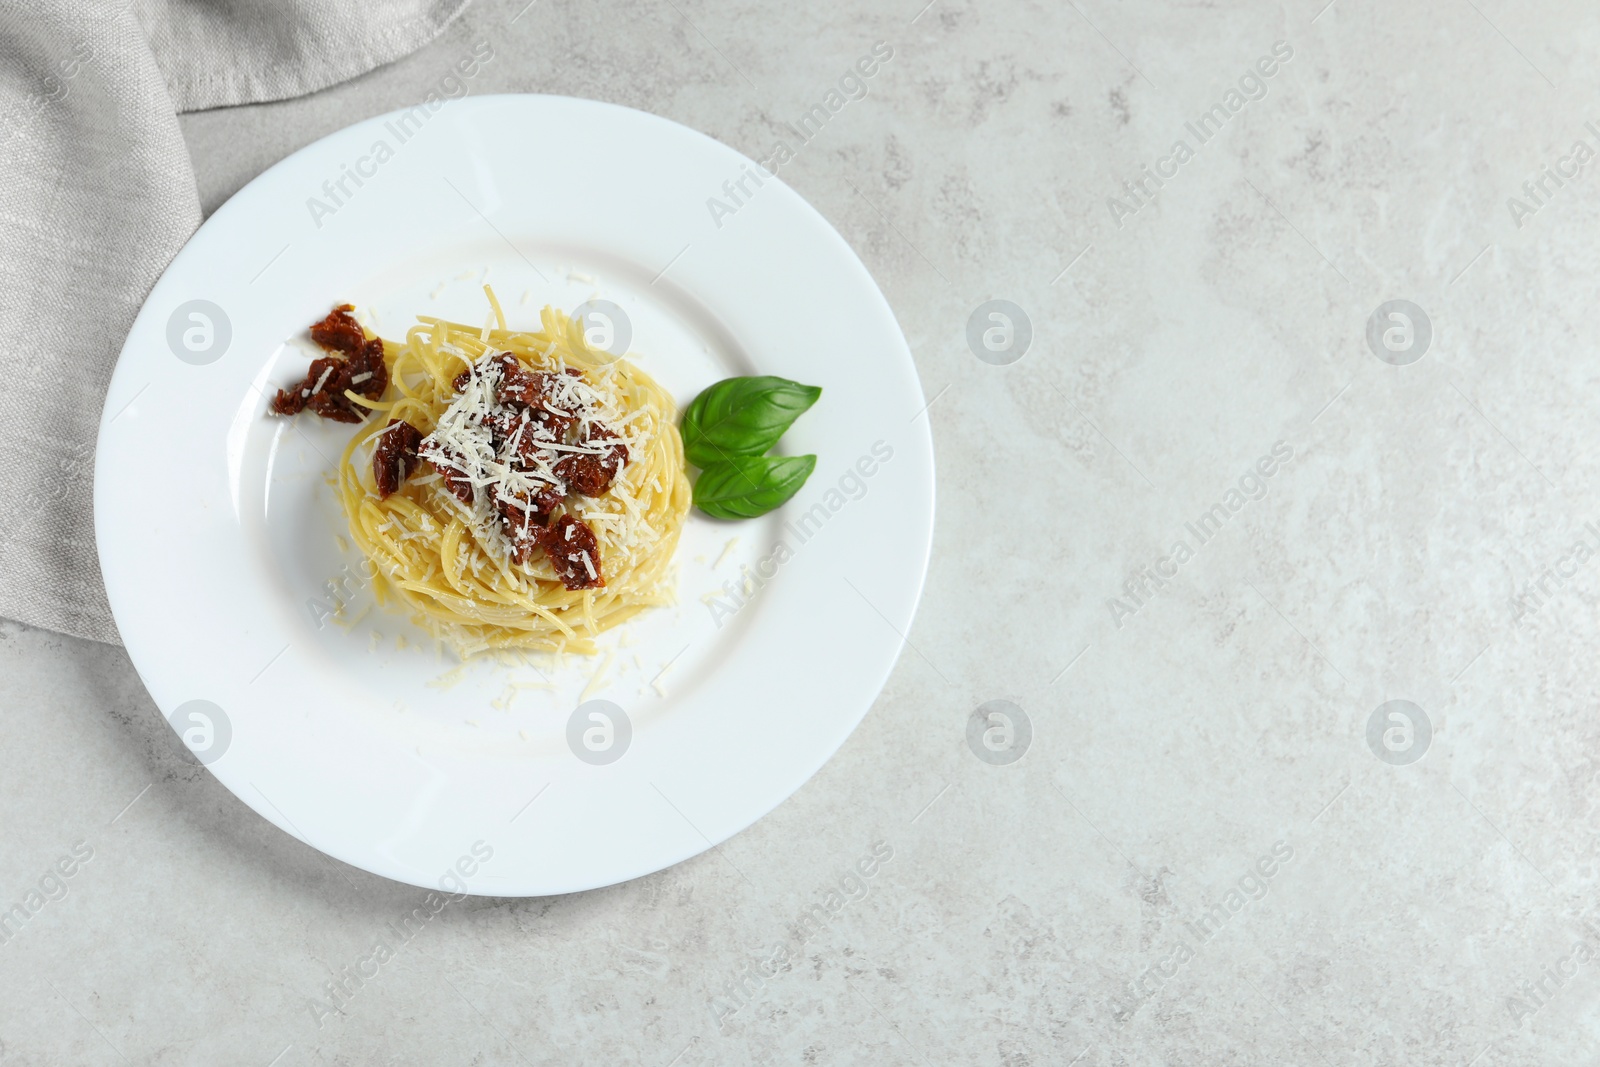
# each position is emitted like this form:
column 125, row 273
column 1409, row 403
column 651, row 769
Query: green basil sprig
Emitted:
column 746, row 486
column 742, row 417
column 727, row 432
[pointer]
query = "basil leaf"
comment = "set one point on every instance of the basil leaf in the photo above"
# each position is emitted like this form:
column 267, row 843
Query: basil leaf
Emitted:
column 742, row 417
column 746, row 486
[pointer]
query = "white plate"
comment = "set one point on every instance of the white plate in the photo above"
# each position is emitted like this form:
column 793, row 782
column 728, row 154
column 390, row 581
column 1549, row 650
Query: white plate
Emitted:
column 219, row 535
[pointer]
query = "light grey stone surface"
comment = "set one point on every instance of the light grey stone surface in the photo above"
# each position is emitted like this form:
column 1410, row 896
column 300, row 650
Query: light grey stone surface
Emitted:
column 1047, row 911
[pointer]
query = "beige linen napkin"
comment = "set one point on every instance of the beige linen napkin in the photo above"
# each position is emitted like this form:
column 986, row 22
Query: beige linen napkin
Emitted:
column 96, row 196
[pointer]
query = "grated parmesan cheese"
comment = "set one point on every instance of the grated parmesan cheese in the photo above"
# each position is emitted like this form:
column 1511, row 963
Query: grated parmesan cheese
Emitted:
column 594, row 685
column 464, row 438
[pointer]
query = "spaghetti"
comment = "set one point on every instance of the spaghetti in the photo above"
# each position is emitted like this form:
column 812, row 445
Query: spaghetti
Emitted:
column 515, row 489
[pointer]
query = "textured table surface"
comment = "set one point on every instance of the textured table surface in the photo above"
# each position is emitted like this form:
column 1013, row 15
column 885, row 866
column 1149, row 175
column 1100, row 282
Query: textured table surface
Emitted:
column 1223, row 844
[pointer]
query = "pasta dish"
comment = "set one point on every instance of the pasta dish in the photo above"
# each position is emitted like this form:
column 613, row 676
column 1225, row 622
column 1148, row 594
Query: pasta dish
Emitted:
column 514, row 489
